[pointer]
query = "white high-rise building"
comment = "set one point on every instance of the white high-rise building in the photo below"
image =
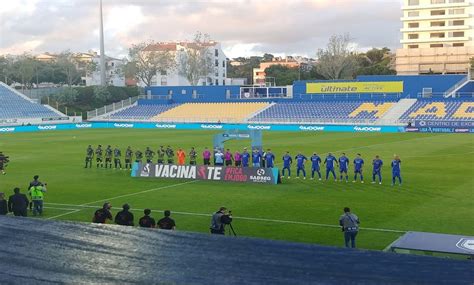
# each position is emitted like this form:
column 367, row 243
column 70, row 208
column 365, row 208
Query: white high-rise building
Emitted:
column 173, row 78
column 437, row 36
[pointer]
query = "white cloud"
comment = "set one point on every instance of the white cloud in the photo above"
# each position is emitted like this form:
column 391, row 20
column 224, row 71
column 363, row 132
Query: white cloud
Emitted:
column 244, row 27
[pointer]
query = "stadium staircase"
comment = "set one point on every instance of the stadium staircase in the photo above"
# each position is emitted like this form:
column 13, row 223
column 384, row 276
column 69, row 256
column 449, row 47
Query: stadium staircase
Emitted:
column 392, row 116
column 458, row 86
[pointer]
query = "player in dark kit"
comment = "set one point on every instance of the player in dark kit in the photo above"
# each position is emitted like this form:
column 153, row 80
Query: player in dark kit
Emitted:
column 128, row 157
column 161, row 155
column 117, row 158
column 3, row 162
column 89, row 156
column 170, row 154
column 138, row 156
column 149, row 154
column 108, row 156
column 98, row 156
column 192, row 156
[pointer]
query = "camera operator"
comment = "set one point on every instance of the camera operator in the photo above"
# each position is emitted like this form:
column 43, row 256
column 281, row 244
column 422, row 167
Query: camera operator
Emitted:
column 349, row 223
column 35, row 183
column 3, row 162
column 219, row 220
column 102, row 215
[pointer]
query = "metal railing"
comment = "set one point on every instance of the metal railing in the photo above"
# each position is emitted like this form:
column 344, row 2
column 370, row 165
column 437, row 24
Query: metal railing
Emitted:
column 350, row 96
column 450, row 91
column 442, row 95
column 282, row 121
column 112, row 107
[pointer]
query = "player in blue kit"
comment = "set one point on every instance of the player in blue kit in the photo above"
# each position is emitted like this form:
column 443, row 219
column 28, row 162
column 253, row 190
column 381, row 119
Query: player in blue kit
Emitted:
column 300, row 160
column 315, row 165
column 269, row 158
column 329, row 162
column 245, row 158
column 256, row 158
column 396, row 167
column 343, row 166
column 287, row 160
column 377, row 170
column 358, row 166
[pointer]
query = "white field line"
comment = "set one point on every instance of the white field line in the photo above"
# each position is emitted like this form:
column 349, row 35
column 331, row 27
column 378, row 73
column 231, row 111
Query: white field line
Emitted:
column 236, row 217
column 117, row 197
column 63, row 214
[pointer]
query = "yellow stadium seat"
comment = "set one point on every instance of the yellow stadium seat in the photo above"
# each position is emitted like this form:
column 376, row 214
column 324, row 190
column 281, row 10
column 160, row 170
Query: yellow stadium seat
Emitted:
column 437, row 109
column 379, row 109
column 210, row 112
column 462, row 112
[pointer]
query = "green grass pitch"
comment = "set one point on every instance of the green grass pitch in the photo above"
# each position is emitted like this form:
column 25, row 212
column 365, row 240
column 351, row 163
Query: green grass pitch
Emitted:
column 437, row 194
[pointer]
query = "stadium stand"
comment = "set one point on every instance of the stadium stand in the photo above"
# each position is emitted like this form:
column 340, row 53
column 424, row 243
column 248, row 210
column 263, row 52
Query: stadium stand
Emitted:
column 436, row 97
column 142, row 112
column 210, row 112
column 324, row 111
column 14, row 105
column 82, row 253
column 452, row 110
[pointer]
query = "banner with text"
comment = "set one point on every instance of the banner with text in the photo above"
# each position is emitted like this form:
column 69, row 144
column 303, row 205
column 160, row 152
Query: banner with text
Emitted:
column 204, row 172
column 354, row 87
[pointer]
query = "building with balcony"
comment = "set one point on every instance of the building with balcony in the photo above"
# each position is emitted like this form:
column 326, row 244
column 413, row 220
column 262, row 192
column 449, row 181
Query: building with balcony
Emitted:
column 437, row 37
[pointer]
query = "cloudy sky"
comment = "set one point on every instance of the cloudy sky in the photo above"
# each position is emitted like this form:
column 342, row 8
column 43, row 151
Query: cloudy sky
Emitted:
column 244, row 27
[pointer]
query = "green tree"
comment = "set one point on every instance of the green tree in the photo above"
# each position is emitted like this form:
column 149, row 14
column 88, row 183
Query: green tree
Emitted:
column 101, row 94
column 67, row 97
column 67, row 65
column 375, row 62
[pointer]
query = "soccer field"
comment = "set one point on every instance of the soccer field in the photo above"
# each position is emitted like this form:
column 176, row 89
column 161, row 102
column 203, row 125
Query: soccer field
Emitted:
column 437, row 194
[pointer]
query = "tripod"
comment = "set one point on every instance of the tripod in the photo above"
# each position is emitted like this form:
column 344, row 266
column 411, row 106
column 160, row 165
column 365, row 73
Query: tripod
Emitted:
column 231, row 230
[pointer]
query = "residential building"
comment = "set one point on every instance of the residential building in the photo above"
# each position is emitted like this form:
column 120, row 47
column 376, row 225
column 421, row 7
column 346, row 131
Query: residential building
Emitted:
column 259, row 75
column 437, row 37
column 114, row 74
column 172, row 77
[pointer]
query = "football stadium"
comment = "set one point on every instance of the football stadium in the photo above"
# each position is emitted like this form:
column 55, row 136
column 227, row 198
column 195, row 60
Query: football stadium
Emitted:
column 348, row 181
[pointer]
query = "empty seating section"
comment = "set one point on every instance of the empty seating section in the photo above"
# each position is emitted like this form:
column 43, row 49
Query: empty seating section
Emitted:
column 210, row 112
column 142, row 112
column 14, row 106
column 324, row 111
column 438, row 110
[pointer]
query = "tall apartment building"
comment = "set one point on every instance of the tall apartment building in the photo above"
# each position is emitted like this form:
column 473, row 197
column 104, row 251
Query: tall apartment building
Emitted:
column 437, row 37
column 173, row 78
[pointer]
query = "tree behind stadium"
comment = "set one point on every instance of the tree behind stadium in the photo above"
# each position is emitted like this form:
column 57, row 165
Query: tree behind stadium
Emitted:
column 145, row 63
column 195, row 61
column 337, row 60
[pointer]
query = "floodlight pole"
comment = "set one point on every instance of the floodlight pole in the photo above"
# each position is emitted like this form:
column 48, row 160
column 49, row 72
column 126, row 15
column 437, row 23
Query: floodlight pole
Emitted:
column 102, row 49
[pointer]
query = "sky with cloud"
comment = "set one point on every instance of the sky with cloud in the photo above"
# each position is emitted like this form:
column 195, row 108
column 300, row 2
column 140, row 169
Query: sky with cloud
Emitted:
column 244, row 27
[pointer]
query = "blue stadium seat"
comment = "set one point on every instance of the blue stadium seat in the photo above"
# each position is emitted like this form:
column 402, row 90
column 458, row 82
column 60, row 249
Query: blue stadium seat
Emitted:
column 14, row 106
column 142, row 112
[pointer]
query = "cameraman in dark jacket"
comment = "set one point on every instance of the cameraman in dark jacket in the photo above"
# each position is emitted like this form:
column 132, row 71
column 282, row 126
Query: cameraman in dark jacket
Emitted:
column 219, row 220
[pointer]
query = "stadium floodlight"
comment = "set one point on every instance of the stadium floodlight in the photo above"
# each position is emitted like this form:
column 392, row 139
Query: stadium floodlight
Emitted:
column 102, row 49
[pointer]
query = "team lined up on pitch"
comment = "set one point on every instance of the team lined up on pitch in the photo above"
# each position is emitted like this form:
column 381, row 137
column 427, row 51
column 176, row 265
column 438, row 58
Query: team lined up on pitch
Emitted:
column 256, row 158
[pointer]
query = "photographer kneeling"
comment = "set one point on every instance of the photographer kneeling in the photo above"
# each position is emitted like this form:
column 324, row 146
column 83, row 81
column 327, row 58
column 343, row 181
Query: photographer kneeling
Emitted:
column 219, row 220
